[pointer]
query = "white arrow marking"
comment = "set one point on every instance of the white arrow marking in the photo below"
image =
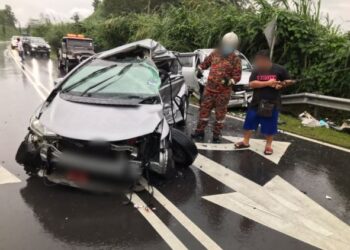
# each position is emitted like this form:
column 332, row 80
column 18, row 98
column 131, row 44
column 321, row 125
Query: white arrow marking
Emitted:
column 256, row 145
column 6, row 177
column 279, row 206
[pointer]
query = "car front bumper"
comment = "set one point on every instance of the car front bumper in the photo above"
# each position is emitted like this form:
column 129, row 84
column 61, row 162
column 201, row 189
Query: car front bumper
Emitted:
column 101, row 174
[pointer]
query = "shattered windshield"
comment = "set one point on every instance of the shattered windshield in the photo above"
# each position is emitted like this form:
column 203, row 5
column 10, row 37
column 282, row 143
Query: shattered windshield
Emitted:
column 136, row 79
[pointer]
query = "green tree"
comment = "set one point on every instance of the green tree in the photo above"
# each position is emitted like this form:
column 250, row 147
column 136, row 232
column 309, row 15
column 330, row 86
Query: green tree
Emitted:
column 10, row 18
column 96, row 4
column 75, row 18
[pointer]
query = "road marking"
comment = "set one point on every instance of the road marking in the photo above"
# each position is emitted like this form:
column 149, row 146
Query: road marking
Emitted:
column 158, row 225
column 35, row 84
column 6, row 177
column 192, row 228
column 279, row 206
column 256, row 145
column 291, row 134
column 316, row 141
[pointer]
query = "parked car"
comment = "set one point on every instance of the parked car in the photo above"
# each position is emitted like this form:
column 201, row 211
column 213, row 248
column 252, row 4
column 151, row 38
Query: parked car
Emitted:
column 36, row 46
column 241, row 95
column 109, row 120
column 74, row 49
column 14, row 42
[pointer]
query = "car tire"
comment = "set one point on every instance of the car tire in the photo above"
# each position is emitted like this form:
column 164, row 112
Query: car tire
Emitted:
column 184, row 110
column 66, row 67
column 60, row 65
column 29, row 157
column 170, row 170
column 184, row 149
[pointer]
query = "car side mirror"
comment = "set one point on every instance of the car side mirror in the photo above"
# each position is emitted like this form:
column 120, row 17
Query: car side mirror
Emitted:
column 58, row 81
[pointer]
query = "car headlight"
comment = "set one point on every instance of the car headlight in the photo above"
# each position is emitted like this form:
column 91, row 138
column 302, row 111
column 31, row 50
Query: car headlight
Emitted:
column 48, row 46
column 34, row 45
column 39, row 129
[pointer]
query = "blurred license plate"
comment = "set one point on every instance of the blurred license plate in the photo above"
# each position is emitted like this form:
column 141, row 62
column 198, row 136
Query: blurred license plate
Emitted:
column 77, row 176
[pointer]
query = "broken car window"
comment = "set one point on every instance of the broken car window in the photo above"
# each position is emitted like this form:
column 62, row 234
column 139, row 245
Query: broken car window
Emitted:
column 120, row 80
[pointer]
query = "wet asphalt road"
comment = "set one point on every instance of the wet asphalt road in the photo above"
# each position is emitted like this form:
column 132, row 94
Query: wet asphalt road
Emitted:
column 34, row 215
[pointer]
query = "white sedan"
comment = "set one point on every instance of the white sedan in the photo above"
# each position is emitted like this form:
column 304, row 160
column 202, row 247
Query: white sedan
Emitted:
column 241, row 95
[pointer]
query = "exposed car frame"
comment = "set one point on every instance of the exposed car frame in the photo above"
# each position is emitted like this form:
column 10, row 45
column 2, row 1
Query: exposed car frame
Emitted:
column 109, row 139
column 241, row 95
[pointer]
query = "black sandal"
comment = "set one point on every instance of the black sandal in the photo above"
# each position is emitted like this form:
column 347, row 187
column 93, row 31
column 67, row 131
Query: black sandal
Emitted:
column 241, row 145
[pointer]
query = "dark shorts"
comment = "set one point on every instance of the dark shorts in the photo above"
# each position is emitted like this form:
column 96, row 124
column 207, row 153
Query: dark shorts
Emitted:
column 268, row 125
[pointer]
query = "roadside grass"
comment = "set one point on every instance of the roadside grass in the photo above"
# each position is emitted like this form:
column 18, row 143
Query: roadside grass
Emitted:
column 293, row 125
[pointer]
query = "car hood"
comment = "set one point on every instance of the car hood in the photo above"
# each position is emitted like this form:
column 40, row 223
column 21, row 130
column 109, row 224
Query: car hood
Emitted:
column 99, row 122
column 40, row 44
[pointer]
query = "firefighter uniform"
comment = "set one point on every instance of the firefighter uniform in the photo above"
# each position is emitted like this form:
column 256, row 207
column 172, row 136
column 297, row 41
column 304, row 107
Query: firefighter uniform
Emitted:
column 218, row 89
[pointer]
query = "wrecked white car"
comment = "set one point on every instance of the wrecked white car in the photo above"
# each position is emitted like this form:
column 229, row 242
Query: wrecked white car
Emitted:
column 108, row 120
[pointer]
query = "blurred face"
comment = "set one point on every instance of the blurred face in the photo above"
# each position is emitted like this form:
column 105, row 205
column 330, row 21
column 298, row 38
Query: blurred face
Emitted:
column 262, row 63
column 226, row 49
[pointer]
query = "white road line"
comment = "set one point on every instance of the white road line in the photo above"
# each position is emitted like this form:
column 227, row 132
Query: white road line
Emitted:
column 192, row 228
column 305, row 220
column 292, row 134
column 35, row 84
column 158, row 225
column 256, row 145
column 6, row 177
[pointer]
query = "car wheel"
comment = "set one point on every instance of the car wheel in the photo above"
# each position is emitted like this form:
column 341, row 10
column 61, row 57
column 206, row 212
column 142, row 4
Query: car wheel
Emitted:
column 66, row 67
column 184, row 149
column 60, row 65
column 170, row 170
column 28, row 156
column 184, row 110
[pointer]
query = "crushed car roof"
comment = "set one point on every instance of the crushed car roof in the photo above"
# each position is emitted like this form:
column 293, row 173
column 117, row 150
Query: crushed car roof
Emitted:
column 157, row 51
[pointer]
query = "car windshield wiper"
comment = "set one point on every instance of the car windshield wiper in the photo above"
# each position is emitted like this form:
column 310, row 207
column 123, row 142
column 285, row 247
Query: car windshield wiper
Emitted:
column 120, row 74
column 95, row 73
column 145, row 100
column 150, row 100
column 95, row 85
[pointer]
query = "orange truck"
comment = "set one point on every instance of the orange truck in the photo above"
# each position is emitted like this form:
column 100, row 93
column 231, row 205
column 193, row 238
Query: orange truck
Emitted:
column 74, row 49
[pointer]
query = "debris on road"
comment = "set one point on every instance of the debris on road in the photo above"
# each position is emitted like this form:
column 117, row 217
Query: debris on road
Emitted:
column 328, row 197
column 344, row 127
column 308, row 120
column 138, row 206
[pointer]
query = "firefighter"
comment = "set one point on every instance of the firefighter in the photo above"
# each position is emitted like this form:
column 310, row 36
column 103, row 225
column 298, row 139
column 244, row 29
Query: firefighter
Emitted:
column 225, row 71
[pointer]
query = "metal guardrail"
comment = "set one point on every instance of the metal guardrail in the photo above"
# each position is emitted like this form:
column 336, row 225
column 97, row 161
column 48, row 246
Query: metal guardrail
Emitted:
column 317, row 100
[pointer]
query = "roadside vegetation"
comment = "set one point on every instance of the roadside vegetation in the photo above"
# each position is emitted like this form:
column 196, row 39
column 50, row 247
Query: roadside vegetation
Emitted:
column 310, row 47
column 7, row 23
column 293, row 125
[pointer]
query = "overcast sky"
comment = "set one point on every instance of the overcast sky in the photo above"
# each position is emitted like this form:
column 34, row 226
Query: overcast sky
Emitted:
column 63, row 9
